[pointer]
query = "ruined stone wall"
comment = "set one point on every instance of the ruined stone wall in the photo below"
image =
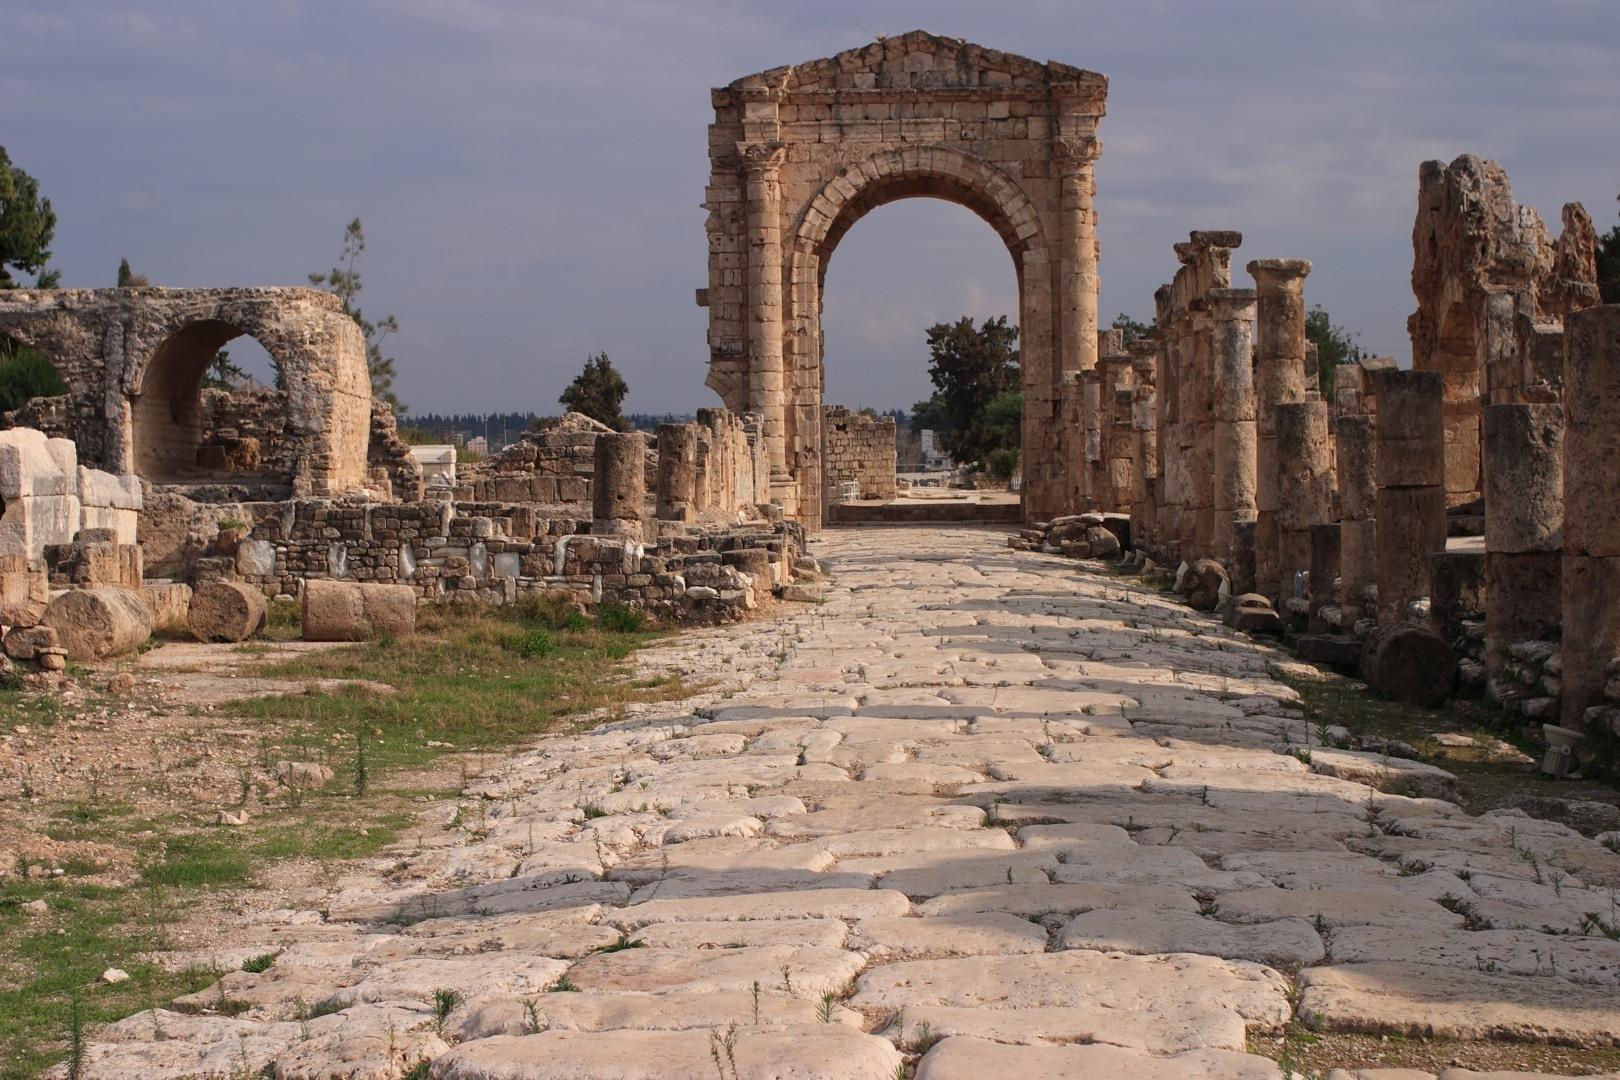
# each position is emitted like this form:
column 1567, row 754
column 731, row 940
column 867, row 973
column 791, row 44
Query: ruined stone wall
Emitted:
column 1492, row 288
column 246, row 432
column 497, row 553
column 858, row 448
column 555, row 467
column 393, row 472
column 799, row 154
column 134, row 361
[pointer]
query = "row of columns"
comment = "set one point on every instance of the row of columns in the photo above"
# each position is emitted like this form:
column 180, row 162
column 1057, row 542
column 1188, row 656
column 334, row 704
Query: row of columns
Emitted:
column 1234, row 455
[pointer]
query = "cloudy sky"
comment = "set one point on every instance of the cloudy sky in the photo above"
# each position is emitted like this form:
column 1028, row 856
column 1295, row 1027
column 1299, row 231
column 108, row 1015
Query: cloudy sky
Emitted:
column 530, row 173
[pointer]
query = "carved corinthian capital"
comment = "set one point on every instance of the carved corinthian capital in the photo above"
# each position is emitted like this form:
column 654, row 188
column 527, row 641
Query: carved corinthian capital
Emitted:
column 1074, row 154
column 758, row 158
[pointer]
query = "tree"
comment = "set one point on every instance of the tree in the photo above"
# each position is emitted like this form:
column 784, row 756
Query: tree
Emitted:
column 129, row 279
column 27, row 223
column 931, row 415
column 1134, row 331
column 25, row 374
column 597, row 391
column 344, row 280
column 1334, row 346
column 970, row 367
column 1608, row 265
column 222, row 374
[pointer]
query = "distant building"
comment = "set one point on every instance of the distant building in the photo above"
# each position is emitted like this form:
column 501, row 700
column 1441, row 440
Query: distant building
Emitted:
column 478, row 445
column 438, row 464
column 934, row 457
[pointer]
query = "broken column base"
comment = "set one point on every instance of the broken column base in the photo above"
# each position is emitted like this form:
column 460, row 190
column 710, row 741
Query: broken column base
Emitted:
column 1334, row 650
column 1410, row 663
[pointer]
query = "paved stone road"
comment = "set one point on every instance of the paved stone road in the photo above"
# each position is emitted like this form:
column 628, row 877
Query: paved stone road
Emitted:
column 1018, row 819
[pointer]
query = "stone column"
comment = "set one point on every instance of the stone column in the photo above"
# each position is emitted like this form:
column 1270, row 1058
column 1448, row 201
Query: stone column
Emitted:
column 619, row 484
column 767, row 387
column 1591, row 572
column 1233, row 432
column 1305, row 492
column 1201, row 464
column 1144, row 426
column 1358, row 530
column 1411, row 507
column 1075, row 159
column 1524, row 526
column 677, row 472
column 1091, row 415
column 1325, row 540
column 1279, row 378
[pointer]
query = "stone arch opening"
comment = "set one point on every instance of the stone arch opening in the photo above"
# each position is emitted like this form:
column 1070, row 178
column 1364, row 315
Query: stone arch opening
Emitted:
column 916, row 262
column 949, row 175
column 174, row 440
column 999, row 206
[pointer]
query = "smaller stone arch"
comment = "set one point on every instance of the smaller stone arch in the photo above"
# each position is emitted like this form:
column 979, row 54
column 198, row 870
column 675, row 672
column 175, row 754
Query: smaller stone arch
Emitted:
column 134, row 359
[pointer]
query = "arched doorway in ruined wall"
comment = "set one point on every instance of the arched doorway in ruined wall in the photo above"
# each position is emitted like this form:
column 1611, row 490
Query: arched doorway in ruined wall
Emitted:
column 799, row 154
column 134, row 360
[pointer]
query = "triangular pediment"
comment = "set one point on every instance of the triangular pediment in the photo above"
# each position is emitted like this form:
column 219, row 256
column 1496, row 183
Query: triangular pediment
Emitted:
column 916, row 61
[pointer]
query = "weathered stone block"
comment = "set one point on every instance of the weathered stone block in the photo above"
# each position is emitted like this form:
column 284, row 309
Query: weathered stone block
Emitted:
column 1524, row 478
column 1411, row 527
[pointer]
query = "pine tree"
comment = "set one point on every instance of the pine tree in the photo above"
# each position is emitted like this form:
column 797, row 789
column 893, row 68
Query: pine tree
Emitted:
column 597, row 391
column 344, row 281
column 27, row 223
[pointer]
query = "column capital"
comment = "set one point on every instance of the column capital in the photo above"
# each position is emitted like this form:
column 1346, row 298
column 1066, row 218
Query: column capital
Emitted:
column 1230, row 304
column 1275, row 274
column 1074, row 155
column 759, row 158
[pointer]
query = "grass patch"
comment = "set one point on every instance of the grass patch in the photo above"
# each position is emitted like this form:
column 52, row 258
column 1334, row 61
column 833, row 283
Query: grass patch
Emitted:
column 472, row 680
column 1484, row 774
column 480, row 679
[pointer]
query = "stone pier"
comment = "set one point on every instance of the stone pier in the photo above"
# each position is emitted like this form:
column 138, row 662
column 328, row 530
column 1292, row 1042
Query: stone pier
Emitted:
column 1279, row 378
column 1233, row 431
column 1145, row 424
column 1411, row 506
column 1591, row 572
column 1358, row 494
column 677, row 472
column 1524, row 526
column 1305, row 488
column 619, row 484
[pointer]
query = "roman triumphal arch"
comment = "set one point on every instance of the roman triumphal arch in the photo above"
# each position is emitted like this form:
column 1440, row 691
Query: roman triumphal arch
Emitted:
column 799, row 154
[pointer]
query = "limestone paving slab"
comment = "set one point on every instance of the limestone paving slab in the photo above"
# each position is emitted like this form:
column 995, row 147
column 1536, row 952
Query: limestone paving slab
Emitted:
column 962, row 1058
column 1420, row 1000
column 1283, row 943
column 800, row 1052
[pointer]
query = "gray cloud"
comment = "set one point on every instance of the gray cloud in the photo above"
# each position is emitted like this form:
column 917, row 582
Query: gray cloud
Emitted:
column 529, row 172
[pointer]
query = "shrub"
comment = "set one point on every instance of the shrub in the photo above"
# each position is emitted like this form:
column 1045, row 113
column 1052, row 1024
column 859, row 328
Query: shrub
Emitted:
column 620, row 619
column 1003, row 463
